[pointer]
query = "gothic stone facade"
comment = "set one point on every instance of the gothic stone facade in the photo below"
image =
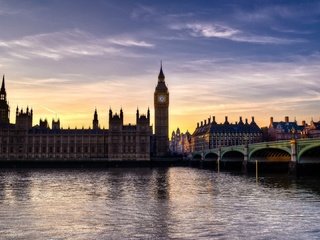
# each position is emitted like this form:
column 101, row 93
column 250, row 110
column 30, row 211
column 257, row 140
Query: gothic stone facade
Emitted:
column 180, row 143
column 161, row 116
column 23, row 141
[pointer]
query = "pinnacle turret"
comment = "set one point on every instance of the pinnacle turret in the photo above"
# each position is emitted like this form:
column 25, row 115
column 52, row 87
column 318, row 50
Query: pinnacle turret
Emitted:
column 95, row 116
column 95, row 122
column 3, row 88
column 3, row 93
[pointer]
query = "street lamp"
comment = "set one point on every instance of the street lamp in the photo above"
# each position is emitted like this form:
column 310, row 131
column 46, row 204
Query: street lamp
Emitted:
column 293, row 131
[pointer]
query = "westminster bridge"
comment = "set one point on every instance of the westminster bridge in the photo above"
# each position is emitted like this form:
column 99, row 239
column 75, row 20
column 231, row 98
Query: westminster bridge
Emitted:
column 293, row 152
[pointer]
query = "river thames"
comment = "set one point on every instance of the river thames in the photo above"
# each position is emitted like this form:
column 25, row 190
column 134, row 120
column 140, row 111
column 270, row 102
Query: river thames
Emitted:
column 156, row 203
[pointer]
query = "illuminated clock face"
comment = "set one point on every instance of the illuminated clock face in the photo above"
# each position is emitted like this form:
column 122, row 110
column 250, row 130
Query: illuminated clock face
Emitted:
column 161, row 98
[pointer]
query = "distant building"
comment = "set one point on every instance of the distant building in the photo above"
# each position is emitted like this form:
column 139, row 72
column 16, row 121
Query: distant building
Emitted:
column 209, row 134
column 180, row 143
column 284, row 130
column 312, row 130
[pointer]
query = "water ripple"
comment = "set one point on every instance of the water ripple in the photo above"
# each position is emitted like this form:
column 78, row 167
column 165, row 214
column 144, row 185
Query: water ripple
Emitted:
column 164, row 203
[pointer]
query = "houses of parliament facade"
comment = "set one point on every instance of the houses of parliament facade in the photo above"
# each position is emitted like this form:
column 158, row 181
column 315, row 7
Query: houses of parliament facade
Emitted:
column 23, row 141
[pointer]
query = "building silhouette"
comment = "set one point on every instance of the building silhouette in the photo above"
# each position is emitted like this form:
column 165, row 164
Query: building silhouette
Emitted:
column 23, row 141
column 209, row 134
column 4, row 106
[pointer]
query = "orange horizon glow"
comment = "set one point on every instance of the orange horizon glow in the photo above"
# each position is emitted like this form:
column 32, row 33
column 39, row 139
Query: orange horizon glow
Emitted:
column 75, row 106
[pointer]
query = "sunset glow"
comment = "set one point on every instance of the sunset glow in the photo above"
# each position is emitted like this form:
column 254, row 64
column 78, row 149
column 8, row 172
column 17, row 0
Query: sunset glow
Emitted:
column 66, row 58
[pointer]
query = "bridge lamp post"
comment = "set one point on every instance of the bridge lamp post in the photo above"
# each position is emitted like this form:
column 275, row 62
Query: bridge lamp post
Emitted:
column 246, row 140
column 293, row 162
column 202, row 147
column 293, row 134
column 245, row 157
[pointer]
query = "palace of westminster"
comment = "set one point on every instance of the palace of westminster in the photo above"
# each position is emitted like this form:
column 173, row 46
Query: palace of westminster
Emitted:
column 23, row 141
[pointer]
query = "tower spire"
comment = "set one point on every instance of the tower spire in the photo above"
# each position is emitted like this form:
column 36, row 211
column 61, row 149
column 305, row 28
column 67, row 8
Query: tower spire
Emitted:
column 95, row 122
column 95, row 116
column 161, row 76
column 4, row 106
column 137, row 116
column 3, row 88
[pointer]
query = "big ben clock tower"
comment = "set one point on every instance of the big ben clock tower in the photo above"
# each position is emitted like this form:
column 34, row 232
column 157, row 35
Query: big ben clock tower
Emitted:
column 161, row 116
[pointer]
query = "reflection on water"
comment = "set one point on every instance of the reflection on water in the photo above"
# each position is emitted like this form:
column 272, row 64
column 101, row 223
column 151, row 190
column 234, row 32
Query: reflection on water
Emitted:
column 159, row 203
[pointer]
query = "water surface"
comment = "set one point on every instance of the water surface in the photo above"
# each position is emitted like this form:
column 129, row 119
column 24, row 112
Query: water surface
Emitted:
column 158, row 203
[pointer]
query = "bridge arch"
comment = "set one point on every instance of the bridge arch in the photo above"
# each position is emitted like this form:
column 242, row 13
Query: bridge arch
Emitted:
column 232, row 155
column 211, row 155
column 312, row 150
column 277, row 154
column 197, row 156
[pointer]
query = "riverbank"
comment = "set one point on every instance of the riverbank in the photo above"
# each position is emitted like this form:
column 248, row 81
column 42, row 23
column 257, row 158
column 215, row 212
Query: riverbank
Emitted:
column 263, row 167
column 164, row 162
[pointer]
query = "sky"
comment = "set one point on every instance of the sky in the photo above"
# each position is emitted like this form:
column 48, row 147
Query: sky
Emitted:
column 220, row 58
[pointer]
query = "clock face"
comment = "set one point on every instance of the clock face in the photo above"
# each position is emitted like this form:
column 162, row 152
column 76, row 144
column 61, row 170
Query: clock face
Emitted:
column 161, row 98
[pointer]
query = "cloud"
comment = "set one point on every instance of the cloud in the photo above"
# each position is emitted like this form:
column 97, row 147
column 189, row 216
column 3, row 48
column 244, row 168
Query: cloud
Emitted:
column 131, row 42
column 293, row 31
column 66, row 44
column 209, row 30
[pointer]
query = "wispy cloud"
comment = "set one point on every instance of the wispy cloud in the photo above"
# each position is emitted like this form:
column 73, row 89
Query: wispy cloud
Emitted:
column 209, row 30
column 66, row 44
column 293, row 31
column 56, row 45
column 131, row 42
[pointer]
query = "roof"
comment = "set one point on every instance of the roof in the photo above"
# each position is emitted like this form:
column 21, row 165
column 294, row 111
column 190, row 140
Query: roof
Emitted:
column 287, row 127
column 227, row 128
column 3, row 88
column 161, row 86
column 161, row 76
